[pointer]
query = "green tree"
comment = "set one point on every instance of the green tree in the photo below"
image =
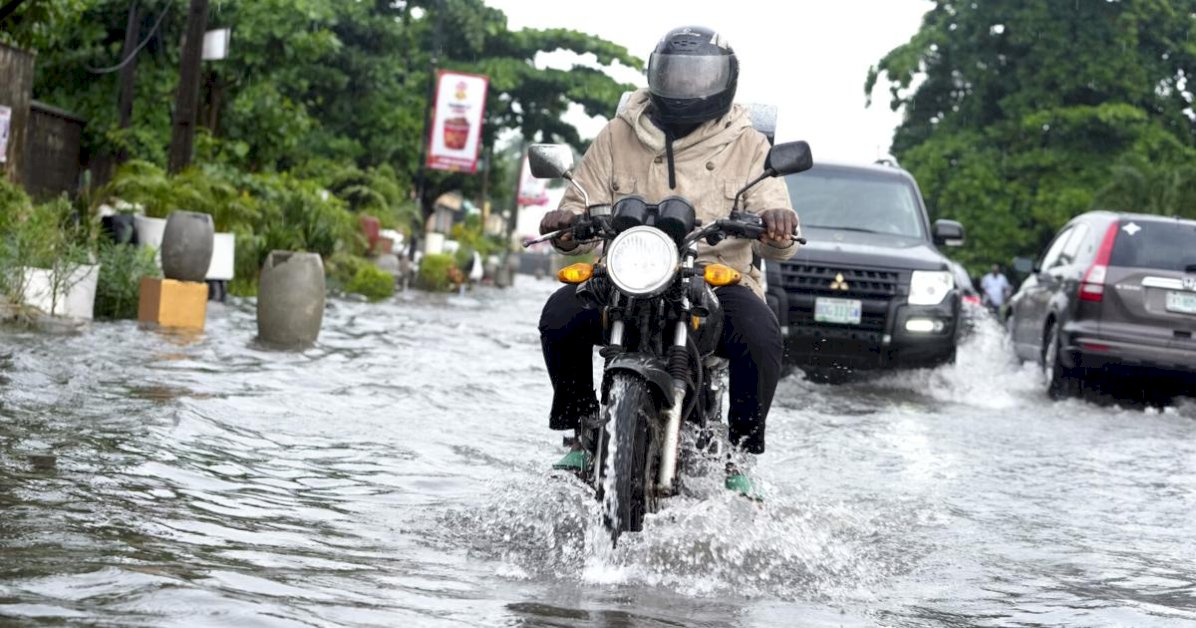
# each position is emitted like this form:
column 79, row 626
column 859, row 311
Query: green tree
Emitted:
column 1017, row 113
column 315, row 80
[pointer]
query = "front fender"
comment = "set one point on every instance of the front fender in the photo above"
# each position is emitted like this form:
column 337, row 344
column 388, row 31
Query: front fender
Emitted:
column 649, row 367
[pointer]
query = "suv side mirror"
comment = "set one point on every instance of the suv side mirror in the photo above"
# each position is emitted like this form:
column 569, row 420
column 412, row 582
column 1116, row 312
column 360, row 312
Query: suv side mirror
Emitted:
column 948, row 232
column 788, row 158
column 550, row 161
column 1023, row 265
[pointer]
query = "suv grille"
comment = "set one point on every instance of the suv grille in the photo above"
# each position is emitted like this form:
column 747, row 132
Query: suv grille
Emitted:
column 861, row 283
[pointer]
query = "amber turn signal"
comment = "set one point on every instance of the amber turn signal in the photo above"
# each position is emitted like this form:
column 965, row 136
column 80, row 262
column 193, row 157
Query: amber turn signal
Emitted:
column 575, row 273
column 719, row 275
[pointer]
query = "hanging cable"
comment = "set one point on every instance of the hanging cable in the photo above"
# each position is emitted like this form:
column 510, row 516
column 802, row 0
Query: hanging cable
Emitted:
column 133, row 55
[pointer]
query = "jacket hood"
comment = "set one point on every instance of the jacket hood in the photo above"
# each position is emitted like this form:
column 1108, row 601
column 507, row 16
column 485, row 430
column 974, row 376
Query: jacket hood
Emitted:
column 710, row 135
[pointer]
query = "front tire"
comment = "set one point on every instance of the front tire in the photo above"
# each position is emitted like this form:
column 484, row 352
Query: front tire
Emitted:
column 629, row 471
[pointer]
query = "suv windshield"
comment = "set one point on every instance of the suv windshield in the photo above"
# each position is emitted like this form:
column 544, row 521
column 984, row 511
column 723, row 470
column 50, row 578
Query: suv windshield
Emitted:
column 830, row 198
column 1157, row 245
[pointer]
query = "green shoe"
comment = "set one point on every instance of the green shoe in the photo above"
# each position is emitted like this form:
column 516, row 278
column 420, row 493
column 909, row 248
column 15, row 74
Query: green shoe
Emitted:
column 576, row 460
column 738, row 482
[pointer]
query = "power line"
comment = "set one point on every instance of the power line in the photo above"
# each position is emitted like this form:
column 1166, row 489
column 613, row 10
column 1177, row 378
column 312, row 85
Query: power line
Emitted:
column 133, row 55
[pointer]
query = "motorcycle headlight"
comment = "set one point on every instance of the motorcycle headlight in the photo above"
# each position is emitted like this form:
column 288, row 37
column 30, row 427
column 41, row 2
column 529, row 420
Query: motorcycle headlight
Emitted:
column 642, row 261
column 930, row 287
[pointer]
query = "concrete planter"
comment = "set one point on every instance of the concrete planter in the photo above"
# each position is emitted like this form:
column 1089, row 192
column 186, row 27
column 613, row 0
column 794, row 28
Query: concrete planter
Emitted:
column 224, row 256
column 76, row 294
column 290, row 299
column 187, row 246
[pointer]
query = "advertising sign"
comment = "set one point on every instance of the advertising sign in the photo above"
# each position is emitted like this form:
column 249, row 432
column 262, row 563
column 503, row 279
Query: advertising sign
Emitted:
column 215, row 44
column 456, row 133
column 532, row 191
column 5, row 122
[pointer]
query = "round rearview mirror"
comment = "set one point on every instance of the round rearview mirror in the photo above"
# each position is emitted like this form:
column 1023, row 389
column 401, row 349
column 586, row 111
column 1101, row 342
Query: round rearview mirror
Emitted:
column 789, row 158
column 550, row 161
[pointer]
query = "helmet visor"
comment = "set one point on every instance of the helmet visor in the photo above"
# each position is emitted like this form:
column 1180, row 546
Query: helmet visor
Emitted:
column 688, row 76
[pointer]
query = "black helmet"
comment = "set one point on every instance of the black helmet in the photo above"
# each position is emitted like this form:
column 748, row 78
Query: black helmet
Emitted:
column 692, row 75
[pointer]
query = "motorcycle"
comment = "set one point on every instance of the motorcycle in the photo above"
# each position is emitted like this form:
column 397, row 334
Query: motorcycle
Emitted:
column 662, row 323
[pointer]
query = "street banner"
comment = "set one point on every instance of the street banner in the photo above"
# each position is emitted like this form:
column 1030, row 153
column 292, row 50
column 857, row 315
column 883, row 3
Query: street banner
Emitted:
column 5, row 122
column 456, row 133
column 532, row 191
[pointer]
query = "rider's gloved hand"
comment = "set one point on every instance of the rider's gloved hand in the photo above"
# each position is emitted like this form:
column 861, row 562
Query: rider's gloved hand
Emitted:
column 781, row 224
column 556, row 220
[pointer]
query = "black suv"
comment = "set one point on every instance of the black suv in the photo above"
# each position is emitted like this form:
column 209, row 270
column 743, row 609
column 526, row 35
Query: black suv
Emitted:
column 870, row 289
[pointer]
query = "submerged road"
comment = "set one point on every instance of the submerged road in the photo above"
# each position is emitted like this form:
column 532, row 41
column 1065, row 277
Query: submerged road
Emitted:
column 397, row 474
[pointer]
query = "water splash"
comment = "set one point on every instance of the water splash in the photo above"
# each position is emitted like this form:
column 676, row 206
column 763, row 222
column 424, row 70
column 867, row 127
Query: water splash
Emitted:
column 986, row 373
column 708, row 542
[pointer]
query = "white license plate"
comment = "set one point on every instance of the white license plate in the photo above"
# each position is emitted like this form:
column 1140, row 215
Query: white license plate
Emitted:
column 1183, row 302
column 841, row 311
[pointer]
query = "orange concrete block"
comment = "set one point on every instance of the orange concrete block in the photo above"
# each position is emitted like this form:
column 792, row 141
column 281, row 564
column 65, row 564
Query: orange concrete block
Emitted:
column 171, row 303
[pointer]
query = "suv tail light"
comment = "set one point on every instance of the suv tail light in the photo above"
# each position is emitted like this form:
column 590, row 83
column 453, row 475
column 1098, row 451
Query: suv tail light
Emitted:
column 1092, row 287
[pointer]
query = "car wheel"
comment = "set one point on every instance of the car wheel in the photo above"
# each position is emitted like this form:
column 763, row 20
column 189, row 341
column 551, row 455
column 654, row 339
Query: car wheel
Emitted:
column 1061, row 382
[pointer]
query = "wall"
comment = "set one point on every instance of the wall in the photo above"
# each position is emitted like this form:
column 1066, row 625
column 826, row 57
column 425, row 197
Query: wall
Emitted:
column 16, row 87
column 53, row 140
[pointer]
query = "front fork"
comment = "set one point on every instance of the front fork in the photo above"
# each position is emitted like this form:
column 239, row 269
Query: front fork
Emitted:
column 672, row 426
column 671, row 447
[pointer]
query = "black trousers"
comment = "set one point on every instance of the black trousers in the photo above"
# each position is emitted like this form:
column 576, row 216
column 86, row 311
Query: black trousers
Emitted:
column 751, row 342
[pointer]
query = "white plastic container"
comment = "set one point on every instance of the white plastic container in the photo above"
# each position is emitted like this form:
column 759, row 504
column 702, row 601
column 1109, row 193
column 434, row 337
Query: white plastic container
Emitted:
column 149, row 234
column 77, row 296
column 433, row 243
column 224, row 256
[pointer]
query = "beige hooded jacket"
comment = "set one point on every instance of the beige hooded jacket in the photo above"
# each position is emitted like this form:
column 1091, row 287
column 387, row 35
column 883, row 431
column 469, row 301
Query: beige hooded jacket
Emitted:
column 711, row 164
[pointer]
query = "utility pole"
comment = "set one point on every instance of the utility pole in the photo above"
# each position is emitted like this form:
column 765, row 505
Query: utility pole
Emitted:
column 484, row 201
column 421, row 177
column 125, row 104
column 514, row 218
column 182, row 138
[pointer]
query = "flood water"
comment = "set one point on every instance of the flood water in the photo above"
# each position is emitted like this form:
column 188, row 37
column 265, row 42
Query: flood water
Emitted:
column 397, row 474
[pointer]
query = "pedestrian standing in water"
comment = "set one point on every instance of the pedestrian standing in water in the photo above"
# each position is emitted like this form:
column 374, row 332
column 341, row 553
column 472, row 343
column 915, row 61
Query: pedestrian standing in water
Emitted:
column 996, row 291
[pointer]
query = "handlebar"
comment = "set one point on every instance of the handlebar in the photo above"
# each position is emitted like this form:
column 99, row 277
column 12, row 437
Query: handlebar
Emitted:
column 739, row 225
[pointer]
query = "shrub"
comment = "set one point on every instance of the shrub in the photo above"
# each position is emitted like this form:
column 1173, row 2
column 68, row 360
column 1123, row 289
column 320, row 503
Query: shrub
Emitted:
column 373, row 282
column 434, row 272
column 48, row 236
column 121, row 268
column 13, row 202
column 342, row 267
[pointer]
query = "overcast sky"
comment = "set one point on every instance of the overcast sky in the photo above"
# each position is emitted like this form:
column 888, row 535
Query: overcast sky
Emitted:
column 808, row 57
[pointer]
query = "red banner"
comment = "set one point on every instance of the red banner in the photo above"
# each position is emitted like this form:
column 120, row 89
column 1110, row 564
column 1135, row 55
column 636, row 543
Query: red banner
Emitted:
column 455, row 138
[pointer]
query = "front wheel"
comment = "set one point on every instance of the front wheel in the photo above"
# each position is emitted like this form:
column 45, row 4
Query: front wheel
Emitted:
column 629, row 469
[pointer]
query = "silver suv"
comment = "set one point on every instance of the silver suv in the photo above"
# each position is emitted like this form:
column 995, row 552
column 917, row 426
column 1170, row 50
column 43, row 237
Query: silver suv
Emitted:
column 1113, row 290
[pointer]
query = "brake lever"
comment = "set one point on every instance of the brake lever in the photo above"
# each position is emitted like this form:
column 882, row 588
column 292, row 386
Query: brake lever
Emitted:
column 546, row 237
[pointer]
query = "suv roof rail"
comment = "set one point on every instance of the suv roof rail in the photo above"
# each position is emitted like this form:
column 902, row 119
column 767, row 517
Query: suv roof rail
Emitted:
column 887, row 161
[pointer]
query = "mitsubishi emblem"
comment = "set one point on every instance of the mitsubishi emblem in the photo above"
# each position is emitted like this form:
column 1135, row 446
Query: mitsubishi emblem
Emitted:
column 839, row 283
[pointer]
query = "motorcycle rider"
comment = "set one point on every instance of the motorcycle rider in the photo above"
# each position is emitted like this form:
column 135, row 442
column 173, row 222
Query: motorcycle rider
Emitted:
column 681, row 136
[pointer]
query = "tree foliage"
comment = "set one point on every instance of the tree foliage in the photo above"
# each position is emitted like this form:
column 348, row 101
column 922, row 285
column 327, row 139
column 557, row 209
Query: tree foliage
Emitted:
column 334, row 81
column 1022, row 113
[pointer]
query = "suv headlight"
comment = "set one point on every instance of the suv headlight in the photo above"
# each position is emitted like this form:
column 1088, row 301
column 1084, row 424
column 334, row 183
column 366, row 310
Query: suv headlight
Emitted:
column 930, row 287
column 642, row 260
